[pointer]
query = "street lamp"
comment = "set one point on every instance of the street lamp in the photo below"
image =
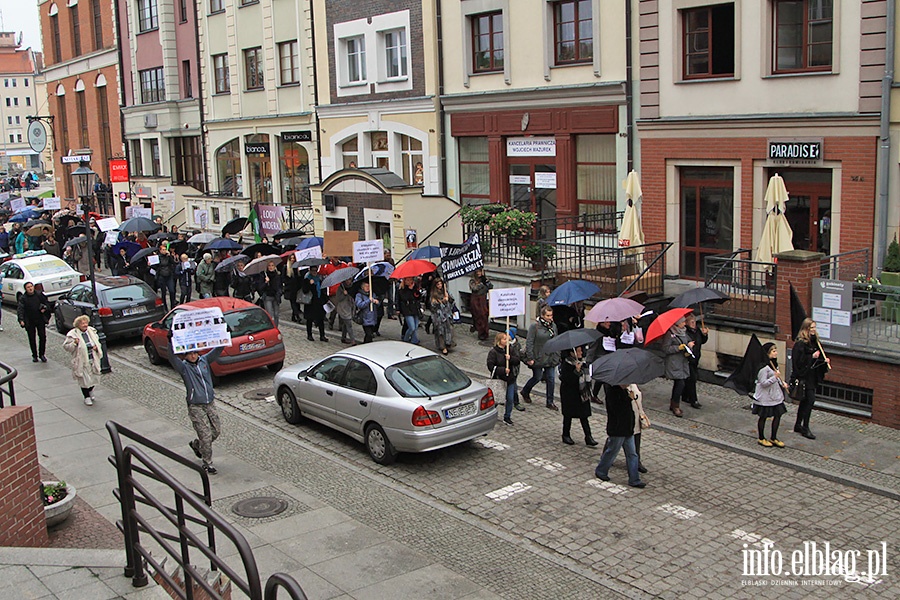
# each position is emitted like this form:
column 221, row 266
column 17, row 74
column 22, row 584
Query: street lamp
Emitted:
column 84, row 177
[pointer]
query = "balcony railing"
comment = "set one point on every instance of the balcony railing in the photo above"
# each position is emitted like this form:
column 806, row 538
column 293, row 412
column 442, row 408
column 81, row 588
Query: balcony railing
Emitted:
column 750, row 284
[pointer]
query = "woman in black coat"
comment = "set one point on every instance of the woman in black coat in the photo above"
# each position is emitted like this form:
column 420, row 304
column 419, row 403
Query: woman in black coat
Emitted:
column 572, row 372
column 291, row 282
column 809, row 366
column 314, row 310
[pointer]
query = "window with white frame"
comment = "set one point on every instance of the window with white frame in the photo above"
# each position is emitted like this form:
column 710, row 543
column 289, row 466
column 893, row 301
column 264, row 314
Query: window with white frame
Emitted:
column 222, row 73
column 148, row 15
column 355, row 53
column 288, row 62
column 350, row 153
column 395, row 53
column 254, row 74
column 411, row 156
column 216, row 6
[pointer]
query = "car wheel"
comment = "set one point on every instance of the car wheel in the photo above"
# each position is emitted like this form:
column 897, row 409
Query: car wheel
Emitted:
column 60, row 325
column 152, row 354
column 275, row 367
column 379, row 446
column 289, row 409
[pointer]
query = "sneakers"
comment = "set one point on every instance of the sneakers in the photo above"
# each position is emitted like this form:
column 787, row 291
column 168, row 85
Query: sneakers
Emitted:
column 507, row 420
column 638, row 484
column 776, row 443
column 195, row 446
column 519, row 407
column 210, row 469
column 88, row 401
column 765, row 443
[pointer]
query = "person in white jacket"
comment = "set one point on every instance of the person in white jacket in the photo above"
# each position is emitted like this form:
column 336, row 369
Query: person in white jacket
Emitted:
column 83, row 344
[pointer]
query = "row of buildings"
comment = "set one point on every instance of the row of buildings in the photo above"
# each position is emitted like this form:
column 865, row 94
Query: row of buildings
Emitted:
column 22, row 94
column 544, row 104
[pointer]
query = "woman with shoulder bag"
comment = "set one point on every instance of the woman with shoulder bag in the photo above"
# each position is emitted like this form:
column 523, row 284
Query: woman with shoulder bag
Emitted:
column 574, row 395
column 442, row 307
column 809, row 368
column 83, row 344
column 505, row 371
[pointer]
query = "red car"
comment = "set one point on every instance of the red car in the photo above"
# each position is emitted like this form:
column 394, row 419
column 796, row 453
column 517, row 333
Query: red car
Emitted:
column 255, row 341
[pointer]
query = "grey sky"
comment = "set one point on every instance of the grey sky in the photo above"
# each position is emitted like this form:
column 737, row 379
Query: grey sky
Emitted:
column 22, row 16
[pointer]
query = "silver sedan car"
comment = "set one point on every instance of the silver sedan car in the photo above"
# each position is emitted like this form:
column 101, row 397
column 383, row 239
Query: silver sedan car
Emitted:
column 392, row 396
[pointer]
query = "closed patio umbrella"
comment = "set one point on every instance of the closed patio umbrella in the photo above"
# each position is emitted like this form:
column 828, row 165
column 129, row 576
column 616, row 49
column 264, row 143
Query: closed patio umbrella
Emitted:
column 777, row 234
column 632, row 233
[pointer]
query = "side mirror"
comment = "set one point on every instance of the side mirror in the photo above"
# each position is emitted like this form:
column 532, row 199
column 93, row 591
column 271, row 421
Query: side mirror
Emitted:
column 302, row 374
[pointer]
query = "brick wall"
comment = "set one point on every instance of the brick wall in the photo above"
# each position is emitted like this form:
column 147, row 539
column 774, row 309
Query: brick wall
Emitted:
column 21, row 509
column 355, row 203
column 857, row 155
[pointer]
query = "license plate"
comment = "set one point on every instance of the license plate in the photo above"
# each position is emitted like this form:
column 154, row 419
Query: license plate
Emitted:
column 250, row 346
column 137, row 310
column 463, row 410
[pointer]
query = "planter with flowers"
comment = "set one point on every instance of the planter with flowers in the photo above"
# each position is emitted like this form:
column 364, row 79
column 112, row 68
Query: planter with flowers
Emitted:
column 59, row 500
column 516, row 225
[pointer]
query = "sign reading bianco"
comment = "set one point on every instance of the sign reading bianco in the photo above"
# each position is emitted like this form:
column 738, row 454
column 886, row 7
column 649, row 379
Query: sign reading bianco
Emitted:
column 795, row 151
column 257, row 148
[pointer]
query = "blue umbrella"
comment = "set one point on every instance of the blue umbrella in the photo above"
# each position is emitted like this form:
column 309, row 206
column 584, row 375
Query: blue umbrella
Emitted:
column 379, row 269
column 130, row 248
column 310, row 242
column 223, row 244
column 426, row 253
column 572, row 291
column 24, row 216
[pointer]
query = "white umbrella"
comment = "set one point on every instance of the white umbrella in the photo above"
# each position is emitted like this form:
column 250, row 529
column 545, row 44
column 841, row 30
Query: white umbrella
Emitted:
column 777, row 234
column 258, row 265
column 632, row 233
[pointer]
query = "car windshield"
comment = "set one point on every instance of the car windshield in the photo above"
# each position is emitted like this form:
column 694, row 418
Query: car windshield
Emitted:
column 425, row 377
column 247, row 322
column 128, row 293
column 52, row 266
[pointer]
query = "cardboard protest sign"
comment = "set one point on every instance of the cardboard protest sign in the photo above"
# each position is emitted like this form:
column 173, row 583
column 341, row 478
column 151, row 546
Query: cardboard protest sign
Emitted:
column 339, row 243
column 458, row 260
column 198, row 330
column 368, row 251
column 507, row 302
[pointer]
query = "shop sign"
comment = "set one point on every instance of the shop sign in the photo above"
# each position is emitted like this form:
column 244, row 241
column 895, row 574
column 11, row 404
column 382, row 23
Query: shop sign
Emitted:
column 118, row 170
column 296, row 136
column 795, row 152
column 37, row 136
column 531, row 146
column 257, row 148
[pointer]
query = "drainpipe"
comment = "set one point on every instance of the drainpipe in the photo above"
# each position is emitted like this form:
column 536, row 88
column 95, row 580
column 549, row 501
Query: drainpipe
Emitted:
column 121, row 73
column 629, row 95
column 203, row 147
column 441, row 111
column 884, row 166
column 312, row 28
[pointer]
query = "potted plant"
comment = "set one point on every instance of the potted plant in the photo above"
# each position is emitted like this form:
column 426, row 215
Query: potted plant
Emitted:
column 539, row 254
column 515, row 224
column 890, row 270
column 480, row 215
column 59, row 500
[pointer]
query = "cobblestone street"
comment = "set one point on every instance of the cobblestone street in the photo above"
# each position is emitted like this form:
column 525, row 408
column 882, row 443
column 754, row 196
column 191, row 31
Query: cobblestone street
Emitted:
column 520, row 488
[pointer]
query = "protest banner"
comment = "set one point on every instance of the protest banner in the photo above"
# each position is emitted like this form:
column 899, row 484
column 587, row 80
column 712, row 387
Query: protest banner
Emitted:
column 458, row 260
column 51, row 203
column 314, row 252
column 368, row 251
column 108, row 224
column 199, row 330
column 507, row 302
column 339, row 243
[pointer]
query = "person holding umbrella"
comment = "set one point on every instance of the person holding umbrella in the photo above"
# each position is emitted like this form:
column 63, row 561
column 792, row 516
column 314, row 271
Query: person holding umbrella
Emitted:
column 271, row 291
column 345, row 306
column 184, row 273
column 768, row 400
column 503, row 363
column 543, row 364
column 165, row 275
column 366, row 306
column 292, row 286
column 678, row 348
column 206, row 276
column 698, row 335
column 408, row 306
column 574, row 385
column 241, row 283
column 314, row 310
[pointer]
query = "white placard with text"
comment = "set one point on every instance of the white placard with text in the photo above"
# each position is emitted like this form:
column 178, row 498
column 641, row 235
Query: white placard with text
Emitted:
column 198, row 330
column 507, row 302
column 108, row 224
column 368, row 251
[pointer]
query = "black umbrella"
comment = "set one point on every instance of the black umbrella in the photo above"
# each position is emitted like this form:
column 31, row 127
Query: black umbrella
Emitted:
column 230, row 262
column 288, row 233
column 76, row 230
column 223, row 244
column 696, row 296
column 572, row 339
column 310, row 262
column 291, row 241
column 743, row 380
column 142, row 253
column 178, row 247
column 235, row 225
column 266, row 250
column 136, row 224
column 624, row 367
column 64, row 220
column 75, row 241
column 162, row 236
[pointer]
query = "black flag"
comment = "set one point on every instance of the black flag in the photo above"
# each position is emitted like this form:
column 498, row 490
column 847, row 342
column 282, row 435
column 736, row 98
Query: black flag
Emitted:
column 798, row 313
column 743, row 380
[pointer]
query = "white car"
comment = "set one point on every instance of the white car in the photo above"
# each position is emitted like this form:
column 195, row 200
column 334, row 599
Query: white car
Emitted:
column 53, row 274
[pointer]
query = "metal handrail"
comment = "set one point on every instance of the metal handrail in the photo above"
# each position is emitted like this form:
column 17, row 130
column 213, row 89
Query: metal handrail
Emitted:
column 11, row 374
column 133, row 460
column 660, row 256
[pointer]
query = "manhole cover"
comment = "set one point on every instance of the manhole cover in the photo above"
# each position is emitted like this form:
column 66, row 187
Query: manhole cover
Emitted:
column 259, row 507
column 259, row 394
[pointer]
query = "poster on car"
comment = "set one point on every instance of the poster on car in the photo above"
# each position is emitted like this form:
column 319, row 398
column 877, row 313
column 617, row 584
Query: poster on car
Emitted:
column 199, row 330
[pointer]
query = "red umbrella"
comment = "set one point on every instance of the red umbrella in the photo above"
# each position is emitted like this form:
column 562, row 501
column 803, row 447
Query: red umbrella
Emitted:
column 413, row 268
column 664, row 322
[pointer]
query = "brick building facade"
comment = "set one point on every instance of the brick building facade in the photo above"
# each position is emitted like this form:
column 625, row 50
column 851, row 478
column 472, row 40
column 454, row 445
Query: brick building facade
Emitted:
column 82, row 81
